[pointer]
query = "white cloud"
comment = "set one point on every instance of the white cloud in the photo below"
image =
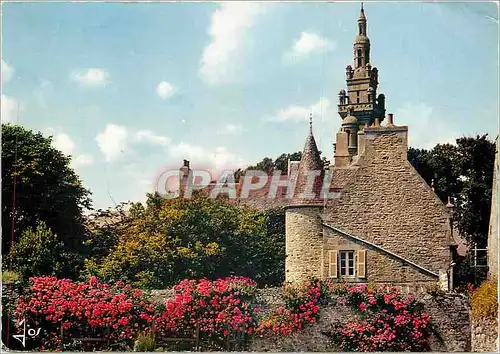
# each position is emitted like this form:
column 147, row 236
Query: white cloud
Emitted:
column 231, row 129
column 112, row 141
column 150, row 137
column 227, row 29
column 215, row 160
column 165, row 90
column 64, row 143
column 91, row 77
column 7, row 72
column 8, row 109
column 300, row 113
column 425, row 130
column 308, row 43
column 82, row 160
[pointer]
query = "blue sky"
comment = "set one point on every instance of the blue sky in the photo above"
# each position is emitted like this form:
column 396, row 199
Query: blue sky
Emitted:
column 129, row 89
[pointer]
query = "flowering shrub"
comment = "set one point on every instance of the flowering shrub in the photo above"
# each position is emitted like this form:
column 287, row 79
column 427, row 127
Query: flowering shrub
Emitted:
column 212, row 309
column 484, row 301
column 66, row 310
column 387, row 321
column 301, row 309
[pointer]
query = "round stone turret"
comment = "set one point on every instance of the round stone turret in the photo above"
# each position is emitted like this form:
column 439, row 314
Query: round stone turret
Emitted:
column 304, row 229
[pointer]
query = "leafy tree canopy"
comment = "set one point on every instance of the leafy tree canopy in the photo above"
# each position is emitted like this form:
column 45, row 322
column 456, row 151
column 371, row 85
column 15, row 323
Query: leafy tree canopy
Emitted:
column 463, row 172
column 47, row 188
column 172, row 239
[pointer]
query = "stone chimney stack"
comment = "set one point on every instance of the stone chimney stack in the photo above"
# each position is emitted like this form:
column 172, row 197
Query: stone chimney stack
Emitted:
column 342, row 157
column 184, row 172
column 390, row 120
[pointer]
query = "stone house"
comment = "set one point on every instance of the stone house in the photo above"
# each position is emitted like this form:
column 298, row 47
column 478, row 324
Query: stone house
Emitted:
column 387, row 226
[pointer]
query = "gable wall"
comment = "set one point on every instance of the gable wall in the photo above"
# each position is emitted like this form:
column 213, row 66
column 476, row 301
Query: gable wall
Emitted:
column 380, row 267
column 387, row 203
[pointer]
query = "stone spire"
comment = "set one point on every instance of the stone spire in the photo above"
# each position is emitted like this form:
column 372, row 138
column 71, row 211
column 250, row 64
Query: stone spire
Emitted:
column 362, row 82
column 309, row 161
column 361, row 43
column 362, row 13
column 310, row 156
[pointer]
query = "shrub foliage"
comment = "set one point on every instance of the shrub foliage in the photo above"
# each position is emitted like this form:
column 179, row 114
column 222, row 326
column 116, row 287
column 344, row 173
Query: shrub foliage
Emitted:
column 484, row 301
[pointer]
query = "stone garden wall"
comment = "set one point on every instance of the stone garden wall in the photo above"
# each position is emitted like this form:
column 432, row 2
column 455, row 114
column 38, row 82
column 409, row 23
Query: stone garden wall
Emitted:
column 449, row 313
column 485, row 336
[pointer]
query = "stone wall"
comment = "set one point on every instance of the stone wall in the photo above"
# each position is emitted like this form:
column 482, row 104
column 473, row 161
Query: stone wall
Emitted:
column 380, row 267
column 388, row 204
column 485, row 336
column 449, row 313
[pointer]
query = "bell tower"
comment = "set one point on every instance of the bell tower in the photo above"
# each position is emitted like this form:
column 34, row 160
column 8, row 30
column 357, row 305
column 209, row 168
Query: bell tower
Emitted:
column 362, row 82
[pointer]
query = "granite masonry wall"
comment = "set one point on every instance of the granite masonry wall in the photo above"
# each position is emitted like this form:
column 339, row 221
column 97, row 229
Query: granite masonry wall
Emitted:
column 485, row 336
column 388, row 204
column 449, row 313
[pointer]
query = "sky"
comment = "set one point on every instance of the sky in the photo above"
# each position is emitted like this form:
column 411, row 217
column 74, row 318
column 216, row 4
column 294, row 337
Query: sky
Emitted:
column 131, row 89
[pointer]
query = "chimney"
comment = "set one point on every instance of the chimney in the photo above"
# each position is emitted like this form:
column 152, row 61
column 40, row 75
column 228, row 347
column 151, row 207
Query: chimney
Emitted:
column 390, row 120
column 377, row 122
column 361, row 142
column 342, row 157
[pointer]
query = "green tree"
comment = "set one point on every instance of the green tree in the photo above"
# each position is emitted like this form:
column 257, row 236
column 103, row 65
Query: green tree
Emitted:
column 37, row 253
column 464, row 172
column 280, row 163
column 47, row 188
column 476, row 161
column 169, row 240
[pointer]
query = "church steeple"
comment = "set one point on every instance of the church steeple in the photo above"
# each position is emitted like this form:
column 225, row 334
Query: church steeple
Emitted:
column 361, row 43
column 362, row 83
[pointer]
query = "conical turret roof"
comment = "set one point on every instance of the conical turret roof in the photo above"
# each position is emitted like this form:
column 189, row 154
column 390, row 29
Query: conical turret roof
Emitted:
column 309, row 161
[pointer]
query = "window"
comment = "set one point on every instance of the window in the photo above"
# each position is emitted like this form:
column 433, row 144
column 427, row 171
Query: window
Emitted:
column 346, row 263
column 350, row 264
column 360, row 29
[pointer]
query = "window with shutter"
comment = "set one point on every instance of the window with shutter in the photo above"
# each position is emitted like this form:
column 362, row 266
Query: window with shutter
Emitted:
column 332, row 263
column 361, row 263
column 347, row 268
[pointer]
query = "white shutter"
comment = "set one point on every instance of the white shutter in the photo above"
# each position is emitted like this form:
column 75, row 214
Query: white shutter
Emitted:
column 361, row 264
column 332, row 263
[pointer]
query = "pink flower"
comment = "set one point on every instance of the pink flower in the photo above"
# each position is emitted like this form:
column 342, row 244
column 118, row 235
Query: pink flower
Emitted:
column 362, row 306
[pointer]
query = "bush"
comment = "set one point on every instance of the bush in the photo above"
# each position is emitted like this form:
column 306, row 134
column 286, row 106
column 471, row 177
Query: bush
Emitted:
column 145, row 342
column 67, row 310
column 173, row 239
column 386, row 321
column 9, row 277
column 435, row 290
column 484, row 301
column 301, row 308
column 37, row 253
column 213, row 310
